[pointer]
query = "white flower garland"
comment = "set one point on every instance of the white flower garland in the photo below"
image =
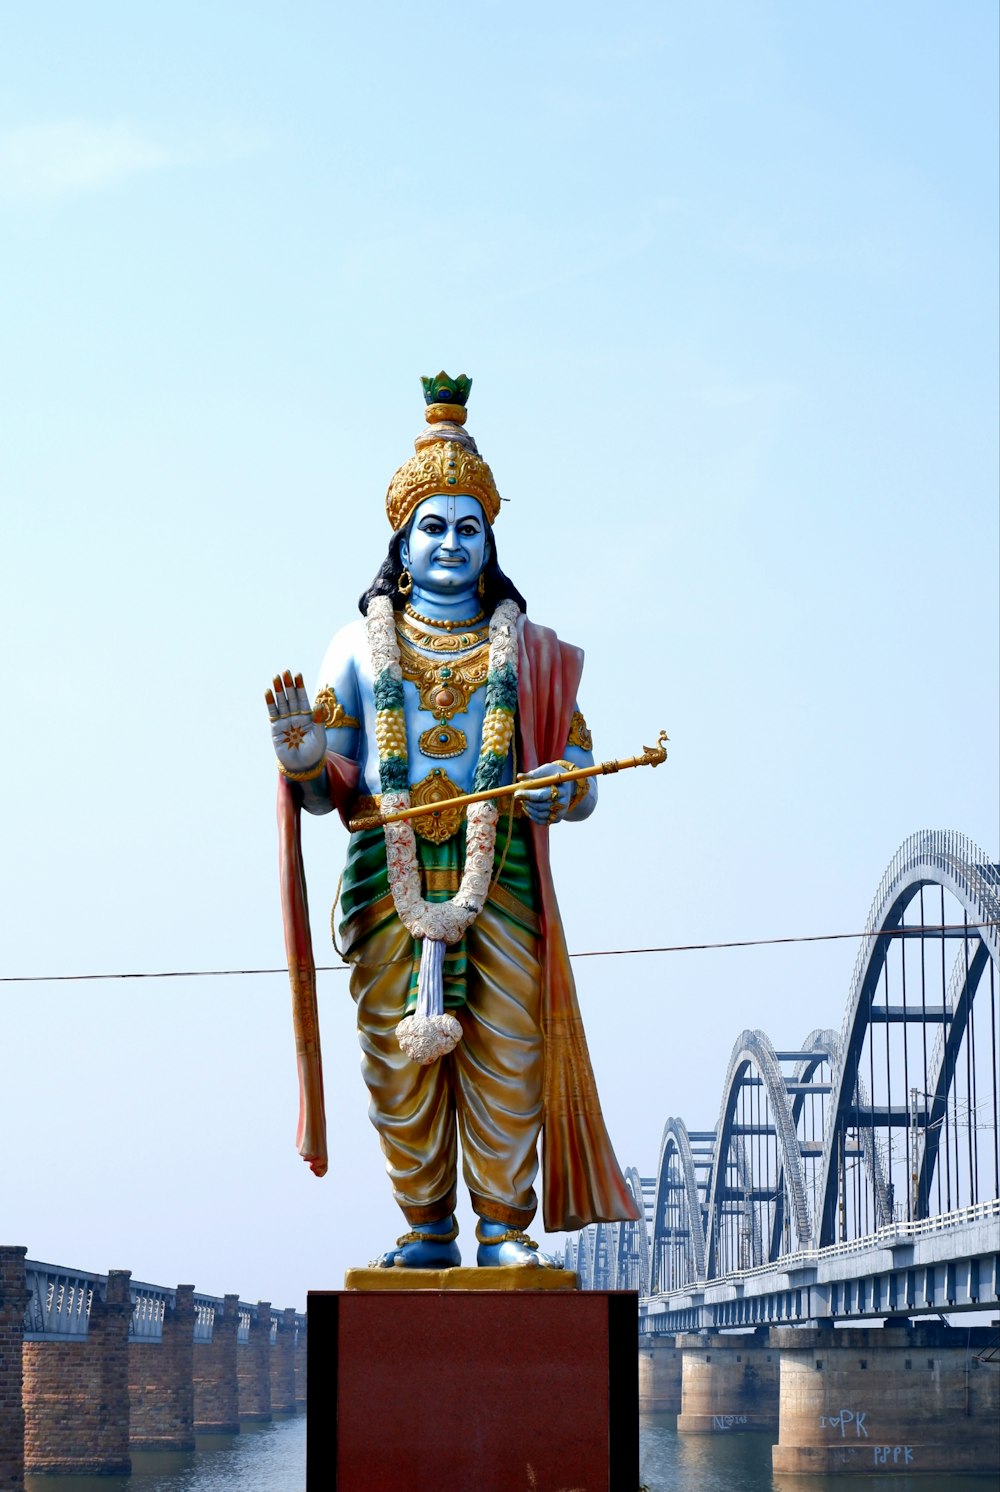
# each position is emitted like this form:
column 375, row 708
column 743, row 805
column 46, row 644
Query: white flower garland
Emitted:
column 429, row 1033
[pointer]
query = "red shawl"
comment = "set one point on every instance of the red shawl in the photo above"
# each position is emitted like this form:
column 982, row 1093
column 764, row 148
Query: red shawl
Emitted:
column 581, row 1179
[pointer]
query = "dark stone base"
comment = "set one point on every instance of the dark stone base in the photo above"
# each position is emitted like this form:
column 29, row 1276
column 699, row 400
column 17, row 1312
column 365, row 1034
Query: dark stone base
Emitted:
column 491, row 1390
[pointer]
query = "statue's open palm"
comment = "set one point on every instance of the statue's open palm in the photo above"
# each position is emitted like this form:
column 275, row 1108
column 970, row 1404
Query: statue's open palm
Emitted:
column 297, row 730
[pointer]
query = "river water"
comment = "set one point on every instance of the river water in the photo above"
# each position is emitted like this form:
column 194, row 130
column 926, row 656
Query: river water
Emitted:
column 272, row 1458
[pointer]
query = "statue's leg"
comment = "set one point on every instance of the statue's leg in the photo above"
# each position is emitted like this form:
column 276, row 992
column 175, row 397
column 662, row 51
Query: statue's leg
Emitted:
column 412, row 1107
column 498, row 1084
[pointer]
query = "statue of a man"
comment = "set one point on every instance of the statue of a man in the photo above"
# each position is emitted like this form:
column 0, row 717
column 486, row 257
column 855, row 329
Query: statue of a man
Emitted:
column 467, row 1012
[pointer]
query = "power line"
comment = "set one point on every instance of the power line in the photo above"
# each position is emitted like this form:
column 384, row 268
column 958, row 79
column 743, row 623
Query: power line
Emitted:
column 896, row 932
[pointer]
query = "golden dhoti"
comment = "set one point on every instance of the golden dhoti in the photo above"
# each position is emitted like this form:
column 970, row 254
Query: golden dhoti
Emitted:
column 487, row 1093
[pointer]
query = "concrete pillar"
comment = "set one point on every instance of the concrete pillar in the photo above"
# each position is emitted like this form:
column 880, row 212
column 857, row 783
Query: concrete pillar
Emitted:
column 76, row 1403
column 906, row 1398
column 253, row 1366
column 283, row 1366
column 13, row 1300
column 729, row 1383
column 659, row 1375
column 161, row 1387
column 301, row 1354
column 216, row 1388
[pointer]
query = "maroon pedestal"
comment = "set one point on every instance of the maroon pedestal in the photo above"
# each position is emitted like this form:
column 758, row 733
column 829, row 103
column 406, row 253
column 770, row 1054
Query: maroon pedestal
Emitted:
column 473, row 1391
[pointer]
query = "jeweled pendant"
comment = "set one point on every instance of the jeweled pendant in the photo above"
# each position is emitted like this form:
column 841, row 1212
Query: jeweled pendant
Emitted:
column 442, row 740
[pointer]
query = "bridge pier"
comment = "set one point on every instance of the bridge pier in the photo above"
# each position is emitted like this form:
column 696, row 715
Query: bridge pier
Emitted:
column 659, row 1375
column 253, row 1366
column 728, row 1383
column 283, row 1366
column 13, row 1300
column 904, row 1397
column 161, row 1384
column 76, row 1400
column 216, row 1385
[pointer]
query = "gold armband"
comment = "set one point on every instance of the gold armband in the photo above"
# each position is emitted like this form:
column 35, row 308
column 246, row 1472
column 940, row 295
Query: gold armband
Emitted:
column 579, row 735
column 335, row 717
column 309, row 776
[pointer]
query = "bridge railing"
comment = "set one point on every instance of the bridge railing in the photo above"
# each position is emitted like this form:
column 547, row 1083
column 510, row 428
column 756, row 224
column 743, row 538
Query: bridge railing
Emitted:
column 892, row 1233
column 149, row 1306
column 206, row 1307
column 60, row 1301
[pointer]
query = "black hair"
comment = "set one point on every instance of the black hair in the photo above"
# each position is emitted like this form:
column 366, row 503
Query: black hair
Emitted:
column 496, row 586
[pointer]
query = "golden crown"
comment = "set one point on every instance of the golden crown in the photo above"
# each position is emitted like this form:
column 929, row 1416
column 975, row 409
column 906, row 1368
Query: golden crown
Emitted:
column 446, row 458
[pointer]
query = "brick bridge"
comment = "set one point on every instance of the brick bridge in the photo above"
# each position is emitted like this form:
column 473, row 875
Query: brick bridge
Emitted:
column 95, row 1366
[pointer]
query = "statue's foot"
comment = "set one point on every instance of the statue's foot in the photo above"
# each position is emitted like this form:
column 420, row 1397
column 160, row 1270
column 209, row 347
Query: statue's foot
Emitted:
column 502, row 1246
column 431, row 1246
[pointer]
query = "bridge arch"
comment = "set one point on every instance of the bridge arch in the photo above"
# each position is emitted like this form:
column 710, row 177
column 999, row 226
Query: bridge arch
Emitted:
column 678, row 1251
column 807, row 1083
column 628, row 1244
column 966, row 974
column 870, row 1126
column 585, row 1259
column 572, row 1251
column 753, row 1065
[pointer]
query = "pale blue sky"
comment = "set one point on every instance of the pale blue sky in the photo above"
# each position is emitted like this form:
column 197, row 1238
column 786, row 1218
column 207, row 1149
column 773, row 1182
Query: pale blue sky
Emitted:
column 726, row 281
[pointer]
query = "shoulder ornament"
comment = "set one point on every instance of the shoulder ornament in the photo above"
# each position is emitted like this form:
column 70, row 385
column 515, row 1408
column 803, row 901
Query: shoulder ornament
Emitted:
column 579, row 735
column 335, row 717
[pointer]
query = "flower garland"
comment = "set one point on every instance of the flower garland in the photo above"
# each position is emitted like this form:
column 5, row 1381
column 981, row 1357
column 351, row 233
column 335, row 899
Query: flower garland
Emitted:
column 429, row 1033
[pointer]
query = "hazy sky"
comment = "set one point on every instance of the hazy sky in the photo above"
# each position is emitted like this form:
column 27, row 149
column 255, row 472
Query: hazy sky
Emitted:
column 725, row 278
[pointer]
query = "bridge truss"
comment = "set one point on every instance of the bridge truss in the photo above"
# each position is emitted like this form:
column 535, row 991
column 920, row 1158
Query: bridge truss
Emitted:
column 831, row 1149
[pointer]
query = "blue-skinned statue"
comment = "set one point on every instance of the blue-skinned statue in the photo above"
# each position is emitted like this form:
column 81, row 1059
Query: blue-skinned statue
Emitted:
column 467, row 1013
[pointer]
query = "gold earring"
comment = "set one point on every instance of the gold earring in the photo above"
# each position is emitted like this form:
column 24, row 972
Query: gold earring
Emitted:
column 404, row 584
column 482, row 585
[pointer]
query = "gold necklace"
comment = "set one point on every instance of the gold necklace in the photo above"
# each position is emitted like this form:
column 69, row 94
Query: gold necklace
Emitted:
column 445, row 686
column 432, row 621
column 441, row 642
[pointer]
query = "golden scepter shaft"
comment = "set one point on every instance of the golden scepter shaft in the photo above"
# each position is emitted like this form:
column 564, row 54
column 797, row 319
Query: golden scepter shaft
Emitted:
column 651, row 756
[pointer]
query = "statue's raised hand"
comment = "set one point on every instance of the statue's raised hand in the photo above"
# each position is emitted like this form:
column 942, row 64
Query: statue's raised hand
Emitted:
column 297, row 730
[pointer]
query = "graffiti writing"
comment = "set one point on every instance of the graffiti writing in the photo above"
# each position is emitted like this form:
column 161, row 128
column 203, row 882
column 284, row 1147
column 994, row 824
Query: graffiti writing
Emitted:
column 893, row 1455
column 855, row 1417
column 727, row 1421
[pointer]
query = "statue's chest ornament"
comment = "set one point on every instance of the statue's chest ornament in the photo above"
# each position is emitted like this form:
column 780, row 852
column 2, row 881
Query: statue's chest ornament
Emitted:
column 446, row 675
column 443, row 922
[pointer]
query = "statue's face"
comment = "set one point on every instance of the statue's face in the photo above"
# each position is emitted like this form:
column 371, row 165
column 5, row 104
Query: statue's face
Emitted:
column 446, row 546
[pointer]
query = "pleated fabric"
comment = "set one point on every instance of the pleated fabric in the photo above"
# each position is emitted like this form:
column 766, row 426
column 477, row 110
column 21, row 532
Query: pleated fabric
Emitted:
column 582, row 1181
column 486, row 1093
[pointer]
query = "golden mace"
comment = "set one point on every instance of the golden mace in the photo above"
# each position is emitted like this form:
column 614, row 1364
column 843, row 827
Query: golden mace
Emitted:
column 651, row 756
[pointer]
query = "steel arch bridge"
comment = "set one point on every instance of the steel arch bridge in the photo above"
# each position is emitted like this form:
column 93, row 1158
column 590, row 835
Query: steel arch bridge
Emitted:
column 877, row 1143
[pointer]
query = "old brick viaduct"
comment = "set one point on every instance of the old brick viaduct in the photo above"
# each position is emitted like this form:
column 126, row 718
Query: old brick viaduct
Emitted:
column 93, row 1367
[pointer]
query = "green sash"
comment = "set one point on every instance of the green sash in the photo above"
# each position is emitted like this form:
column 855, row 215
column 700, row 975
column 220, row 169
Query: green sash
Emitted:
column 366, row 901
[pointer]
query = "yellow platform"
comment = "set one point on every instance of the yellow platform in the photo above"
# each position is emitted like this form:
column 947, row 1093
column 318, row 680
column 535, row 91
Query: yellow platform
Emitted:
column 519, row 1277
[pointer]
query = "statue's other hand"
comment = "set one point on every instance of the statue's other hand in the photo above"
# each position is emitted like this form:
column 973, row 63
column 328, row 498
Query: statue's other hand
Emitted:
column 297, row 731
column 546, row 805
